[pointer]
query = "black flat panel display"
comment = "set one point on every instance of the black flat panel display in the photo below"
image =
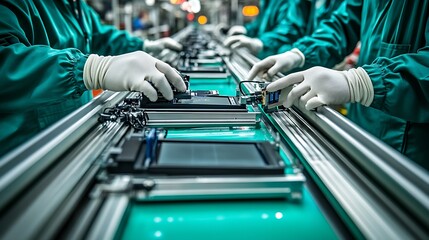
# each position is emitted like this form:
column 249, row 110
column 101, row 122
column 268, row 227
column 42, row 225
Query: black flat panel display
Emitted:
column 206, row 101
column 187, row 157
column 210, row 155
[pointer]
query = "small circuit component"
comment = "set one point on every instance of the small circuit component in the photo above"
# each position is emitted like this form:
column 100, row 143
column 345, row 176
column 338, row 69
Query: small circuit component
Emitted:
column 270, row 100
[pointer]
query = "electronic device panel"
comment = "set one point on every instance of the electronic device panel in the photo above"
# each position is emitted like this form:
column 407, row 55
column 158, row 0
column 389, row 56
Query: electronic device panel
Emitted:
column 150, row 155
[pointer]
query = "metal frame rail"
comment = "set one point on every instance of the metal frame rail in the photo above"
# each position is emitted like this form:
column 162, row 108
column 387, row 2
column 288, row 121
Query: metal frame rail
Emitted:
column 378, row 199
column 382, row 192
column 55, row 167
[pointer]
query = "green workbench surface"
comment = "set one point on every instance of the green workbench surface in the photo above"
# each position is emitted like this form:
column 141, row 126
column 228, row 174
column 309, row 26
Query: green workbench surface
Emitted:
column 225, row 86
column 256, row 219
column 233, row 219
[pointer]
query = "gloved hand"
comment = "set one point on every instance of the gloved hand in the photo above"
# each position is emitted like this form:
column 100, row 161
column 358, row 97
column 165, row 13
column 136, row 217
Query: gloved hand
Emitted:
column 132, row 72
column 237, row 30
column 253, row 44
column 221, row 29
column 322, row 86
column 158, row 45
column 270, row 66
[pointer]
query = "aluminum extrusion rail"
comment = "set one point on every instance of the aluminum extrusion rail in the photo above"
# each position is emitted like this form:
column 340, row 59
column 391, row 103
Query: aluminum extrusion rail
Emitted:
column 56, row 167
column 400, row 185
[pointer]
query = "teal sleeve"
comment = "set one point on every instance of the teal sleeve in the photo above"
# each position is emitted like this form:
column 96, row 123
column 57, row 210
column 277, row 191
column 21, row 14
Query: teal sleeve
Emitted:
column 401, row 84
column 108, row 40
column 295, row 17
column 36, row 75
column 253, row 27
column 32, row 75
column 334, row 38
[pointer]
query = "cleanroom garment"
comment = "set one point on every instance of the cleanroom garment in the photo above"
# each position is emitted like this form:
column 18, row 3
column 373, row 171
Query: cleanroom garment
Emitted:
column 395, row 54
column 302, row 19
column 269, row 25
column 43, row 48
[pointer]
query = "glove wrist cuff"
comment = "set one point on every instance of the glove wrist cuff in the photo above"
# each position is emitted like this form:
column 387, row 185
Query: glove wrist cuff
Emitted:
column 360, row 85
column 88, row 68
column 257, row 45
column 147, row 45
column 95, row 70
column 301, row 56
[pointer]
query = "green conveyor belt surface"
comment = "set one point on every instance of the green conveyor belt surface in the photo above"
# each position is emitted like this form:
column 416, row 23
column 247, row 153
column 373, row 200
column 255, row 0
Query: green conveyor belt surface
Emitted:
column 225, row 220
column 225, row 86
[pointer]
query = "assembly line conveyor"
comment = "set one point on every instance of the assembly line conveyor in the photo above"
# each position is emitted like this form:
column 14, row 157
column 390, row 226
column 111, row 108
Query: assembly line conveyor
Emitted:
column 214, row 164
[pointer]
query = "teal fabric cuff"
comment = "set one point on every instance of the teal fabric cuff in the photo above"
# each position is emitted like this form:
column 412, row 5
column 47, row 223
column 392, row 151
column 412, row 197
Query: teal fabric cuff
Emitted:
column 79, row 63
column 376, row 73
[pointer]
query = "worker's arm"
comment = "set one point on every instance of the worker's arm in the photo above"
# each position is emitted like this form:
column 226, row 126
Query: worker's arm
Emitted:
column 107, row 39
column 34, row 74
column 401, row 84
column 293, row 21
column 334, row 38
column 253, row 26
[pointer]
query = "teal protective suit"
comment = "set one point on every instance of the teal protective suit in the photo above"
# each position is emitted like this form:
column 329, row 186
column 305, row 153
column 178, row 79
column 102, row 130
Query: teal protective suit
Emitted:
column 269, row 25
column 302, row 19
column 395, row 54
column 43, row 48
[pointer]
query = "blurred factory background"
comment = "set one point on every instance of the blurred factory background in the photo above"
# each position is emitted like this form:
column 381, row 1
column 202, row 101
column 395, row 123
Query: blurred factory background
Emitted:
column 154, row 19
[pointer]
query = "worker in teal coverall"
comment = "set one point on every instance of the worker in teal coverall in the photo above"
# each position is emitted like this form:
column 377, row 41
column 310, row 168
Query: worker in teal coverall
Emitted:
column 264, row 34
column 388, row 93
column 300, row 19
column 53, row 52
column 303, row 18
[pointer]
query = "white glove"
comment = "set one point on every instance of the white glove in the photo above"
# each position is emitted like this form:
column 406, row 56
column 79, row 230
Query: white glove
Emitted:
column 322, row 86
column 132, row 72
column 220, row 29
column 158, row 45
column 253, row 44
column 237, row 30
column 270, row 66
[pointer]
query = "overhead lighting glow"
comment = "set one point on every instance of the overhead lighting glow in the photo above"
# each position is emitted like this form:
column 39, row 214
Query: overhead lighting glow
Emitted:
column 250, row 11
column 202, row 19
column 176, row 1
column 190, row 17
column 195, row 6
column 186, row 6
column 150, row 2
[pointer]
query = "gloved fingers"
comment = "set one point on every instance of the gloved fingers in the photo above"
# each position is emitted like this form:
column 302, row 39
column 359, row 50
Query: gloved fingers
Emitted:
column 236, row 30
column 231, row 40
column 296, row 93
column 238, row 44
column 172, row 44
column 221, row 28
column 307, row 96
column 283, row 95
column 255, row 71
column 172, row 75
column 260, row 68
column 314, row 103
column 161, row 83
column 233, row 33
column 285, row 82
column 149, row 45
column 276, row 68
column 264, row 76
column 148, row 90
